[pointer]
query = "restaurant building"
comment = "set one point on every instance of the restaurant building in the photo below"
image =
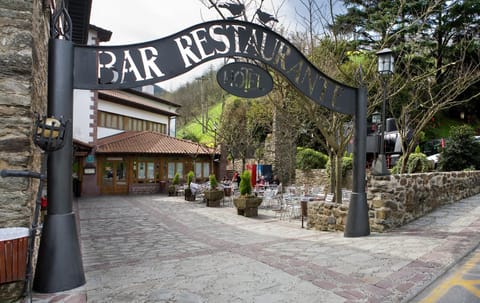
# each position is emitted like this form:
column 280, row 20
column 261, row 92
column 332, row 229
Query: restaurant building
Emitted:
column 125, row 141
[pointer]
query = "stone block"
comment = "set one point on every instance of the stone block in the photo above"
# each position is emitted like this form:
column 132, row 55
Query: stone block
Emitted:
column 377, row 203
column 383, row 213
column 331, row 220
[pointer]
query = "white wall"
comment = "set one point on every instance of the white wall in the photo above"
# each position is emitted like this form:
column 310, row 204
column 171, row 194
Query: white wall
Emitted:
column 82, row 104
column 103, row 132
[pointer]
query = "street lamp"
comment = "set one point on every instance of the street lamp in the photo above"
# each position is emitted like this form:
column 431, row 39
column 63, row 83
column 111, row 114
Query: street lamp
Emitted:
column 385, row 69
column 376, row 118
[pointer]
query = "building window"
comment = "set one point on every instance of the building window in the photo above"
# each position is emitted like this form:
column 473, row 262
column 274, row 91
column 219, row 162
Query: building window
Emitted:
column 202, row 170
column 206, row 169
column 173, row 168
column 198, row 170
column 121, row 122
column 141, row 170
column 144, row 171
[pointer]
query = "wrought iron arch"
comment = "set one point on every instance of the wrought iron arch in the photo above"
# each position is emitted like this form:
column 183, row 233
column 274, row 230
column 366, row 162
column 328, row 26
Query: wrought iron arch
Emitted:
column 151, row 62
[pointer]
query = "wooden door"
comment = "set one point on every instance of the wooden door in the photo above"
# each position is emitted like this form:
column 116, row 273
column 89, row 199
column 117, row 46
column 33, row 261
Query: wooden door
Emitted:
column 114, row 176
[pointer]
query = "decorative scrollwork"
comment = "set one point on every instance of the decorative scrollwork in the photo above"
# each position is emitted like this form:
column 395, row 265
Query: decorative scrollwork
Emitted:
column 61, row 23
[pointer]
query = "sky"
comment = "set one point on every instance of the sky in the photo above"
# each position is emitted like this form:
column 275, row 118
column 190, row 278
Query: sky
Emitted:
column 145, row 20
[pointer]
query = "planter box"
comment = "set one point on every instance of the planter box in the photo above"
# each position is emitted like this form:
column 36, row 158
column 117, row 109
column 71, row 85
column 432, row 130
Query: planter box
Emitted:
column 13, row 254
column 247, row 206
column 188, row 195
column 172, row 190
column 213, row 197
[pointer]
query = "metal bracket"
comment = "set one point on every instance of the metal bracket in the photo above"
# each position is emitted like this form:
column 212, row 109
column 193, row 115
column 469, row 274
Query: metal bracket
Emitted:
column 61, row 23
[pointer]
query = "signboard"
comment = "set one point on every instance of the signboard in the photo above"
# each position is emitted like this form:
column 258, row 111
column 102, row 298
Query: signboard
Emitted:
column 244, row 80
column 90, row 159
column 89, row 171
column 127, row 66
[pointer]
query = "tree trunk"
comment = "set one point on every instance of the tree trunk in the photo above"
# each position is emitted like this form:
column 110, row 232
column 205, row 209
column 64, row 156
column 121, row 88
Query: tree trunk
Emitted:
column 332, row 172
column 338, row 178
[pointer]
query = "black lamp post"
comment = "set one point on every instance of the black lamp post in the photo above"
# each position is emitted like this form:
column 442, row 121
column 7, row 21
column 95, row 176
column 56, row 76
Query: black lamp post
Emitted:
column 385, row 69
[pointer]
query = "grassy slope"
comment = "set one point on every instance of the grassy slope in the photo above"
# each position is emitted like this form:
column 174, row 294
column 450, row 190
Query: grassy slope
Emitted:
column 195, row 128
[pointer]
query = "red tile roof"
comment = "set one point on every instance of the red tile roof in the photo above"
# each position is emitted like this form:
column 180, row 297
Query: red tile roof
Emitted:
column 147, row 142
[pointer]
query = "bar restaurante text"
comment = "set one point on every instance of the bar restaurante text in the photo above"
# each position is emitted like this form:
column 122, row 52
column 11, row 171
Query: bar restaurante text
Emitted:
column 117, row 67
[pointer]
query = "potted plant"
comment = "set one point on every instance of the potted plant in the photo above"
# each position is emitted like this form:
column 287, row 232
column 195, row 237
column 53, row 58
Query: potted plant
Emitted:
column 173, row 188
column 246, row 204
column 189, row 195
column 213, row 196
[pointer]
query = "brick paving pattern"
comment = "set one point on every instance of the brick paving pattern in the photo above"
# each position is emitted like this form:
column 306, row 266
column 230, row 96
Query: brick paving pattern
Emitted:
column 165, row 249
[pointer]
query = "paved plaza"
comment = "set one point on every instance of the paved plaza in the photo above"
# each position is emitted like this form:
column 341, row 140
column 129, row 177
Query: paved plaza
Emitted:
column 164, row 249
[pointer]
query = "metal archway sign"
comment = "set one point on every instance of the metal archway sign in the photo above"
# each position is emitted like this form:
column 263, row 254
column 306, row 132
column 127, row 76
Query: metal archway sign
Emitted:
column 245, row 80
column 127, row 66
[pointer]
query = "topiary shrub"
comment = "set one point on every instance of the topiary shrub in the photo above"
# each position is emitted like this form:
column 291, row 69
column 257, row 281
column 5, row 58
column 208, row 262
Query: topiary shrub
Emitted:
column 308, row 158
column 172, row 188
column 213, row 182
column 189, row 196
column 245, row 186
column 176, row 179
column 190, row 176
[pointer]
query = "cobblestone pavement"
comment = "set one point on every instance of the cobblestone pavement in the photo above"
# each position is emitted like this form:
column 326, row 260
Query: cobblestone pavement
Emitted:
column 165, row 249
column 461, row 284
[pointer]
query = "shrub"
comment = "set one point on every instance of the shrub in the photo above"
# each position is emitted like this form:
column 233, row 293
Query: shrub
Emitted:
column 190, row 176
column 245, row 185
column 213, row 182
column 347, row 164
column 461, row 150
column 176, row 179
column 417, row 163
column 308, row 158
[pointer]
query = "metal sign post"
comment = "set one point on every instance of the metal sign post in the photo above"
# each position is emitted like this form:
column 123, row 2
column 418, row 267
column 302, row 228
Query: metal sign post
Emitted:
column 59, row 263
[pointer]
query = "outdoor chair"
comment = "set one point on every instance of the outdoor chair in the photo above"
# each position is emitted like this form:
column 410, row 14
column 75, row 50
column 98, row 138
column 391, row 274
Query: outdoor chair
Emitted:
column 280, row 209
column 180, row 190
column 291, row 205
column 268, row 197
column 318, row 193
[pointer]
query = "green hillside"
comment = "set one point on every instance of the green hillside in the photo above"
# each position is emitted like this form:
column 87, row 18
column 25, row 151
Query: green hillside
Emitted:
column 193, row 130
column 440, row 127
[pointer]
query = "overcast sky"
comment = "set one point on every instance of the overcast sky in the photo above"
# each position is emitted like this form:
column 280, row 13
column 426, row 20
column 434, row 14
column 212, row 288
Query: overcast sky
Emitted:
column 145, row 20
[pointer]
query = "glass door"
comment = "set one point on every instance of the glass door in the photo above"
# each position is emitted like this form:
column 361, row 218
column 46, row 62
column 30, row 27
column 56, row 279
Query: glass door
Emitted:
column 114, row 176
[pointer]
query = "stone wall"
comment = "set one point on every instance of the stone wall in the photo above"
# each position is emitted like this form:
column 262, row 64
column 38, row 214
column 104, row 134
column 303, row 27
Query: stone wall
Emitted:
column 23, row 91
column 149, row 188
column 398, row 199
column 319, row 177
